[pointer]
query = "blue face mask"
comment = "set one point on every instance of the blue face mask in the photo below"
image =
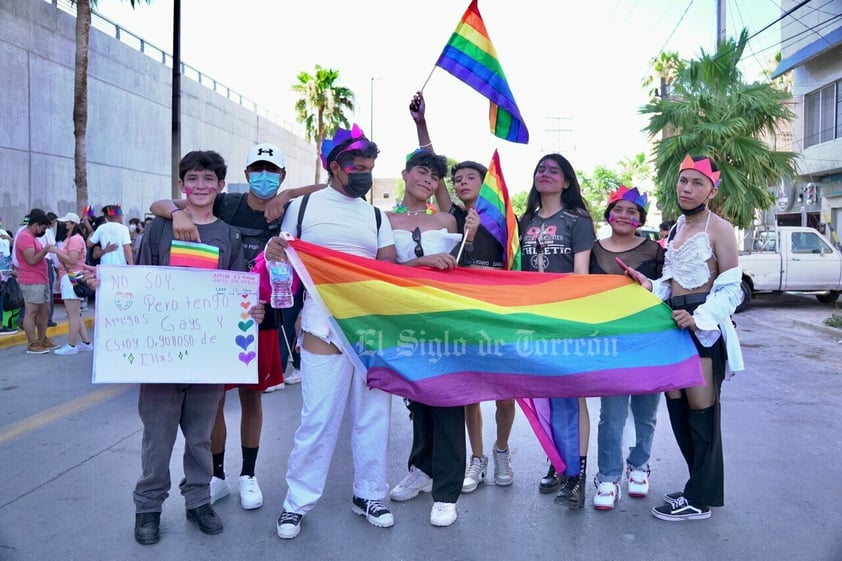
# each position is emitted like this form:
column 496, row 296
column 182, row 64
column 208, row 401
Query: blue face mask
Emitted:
column 264, row 184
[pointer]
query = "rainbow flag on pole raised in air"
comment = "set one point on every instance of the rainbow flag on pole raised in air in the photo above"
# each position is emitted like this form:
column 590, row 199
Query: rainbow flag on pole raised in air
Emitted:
column 192, row 254
column 470, row 56
column 467, row 335
column 497, row 215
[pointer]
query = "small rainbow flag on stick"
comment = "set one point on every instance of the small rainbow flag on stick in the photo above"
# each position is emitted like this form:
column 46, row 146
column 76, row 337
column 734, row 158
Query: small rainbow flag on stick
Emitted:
column 470, row 56
column 195, row 255
column 497, row 215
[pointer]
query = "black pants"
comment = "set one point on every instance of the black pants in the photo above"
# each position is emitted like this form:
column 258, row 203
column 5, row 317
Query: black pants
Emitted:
column 438, row 447
column 698, row 432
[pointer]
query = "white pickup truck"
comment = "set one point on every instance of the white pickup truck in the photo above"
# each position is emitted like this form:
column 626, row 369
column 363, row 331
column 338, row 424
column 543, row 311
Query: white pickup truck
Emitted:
column 791, row 259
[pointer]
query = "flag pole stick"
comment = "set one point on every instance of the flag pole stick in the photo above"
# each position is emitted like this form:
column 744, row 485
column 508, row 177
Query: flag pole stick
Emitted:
column 430, row 75
column 462, row 246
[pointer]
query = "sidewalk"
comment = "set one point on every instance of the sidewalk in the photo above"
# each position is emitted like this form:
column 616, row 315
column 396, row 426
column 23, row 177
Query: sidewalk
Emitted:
column 59, row 316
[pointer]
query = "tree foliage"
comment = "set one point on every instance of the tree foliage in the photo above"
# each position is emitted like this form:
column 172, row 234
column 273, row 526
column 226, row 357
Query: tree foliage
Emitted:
column 715, row 113
column 321, row 106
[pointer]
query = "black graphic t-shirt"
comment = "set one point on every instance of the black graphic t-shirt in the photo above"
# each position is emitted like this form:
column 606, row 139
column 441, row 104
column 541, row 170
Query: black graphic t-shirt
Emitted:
column 558, row 238
column 486, row 251
column 255, row 233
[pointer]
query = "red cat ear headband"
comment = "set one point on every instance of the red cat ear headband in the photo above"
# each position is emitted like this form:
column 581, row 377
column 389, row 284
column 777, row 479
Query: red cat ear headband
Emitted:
column 703, row 166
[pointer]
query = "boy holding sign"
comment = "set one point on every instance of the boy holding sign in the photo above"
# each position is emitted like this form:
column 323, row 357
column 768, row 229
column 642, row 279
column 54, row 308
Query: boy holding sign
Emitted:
column 164, row 408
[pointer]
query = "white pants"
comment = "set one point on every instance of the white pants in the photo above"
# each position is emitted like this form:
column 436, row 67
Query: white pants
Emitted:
column 327, row 383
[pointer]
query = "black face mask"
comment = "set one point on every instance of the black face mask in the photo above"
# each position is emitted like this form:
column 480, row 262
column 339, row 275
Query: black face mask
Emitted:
column 41, row 235
column 358, row 184
column 692, row 211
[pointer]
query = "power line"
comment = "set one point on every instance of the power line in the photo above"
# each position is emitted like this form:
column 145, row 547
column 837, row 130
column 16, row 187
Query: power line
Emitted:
column 677, row 24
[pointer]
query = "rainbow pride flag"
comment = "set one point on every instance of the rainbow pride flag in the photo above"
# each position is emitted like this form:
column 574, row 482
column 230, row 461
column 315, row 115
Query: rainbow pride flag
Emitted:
column 497, row 215
column 448, row 338
column 192, row 254
column 470, row 56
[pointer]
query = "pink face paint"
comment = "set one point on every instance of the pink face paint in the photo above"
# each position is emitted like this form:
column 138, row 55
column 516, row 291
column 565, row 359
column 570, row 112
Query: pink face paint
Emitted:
column 634, row 221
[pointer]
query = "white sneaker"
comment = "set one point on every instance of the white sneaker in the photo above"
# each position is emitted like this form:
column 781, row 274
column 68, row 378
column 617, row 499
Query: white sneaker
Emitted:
column 607, row 495
column 293, row 376
column 219, row 488
column 443, row 514
column 251, row 497
column 271, row 389
column 503, row 474
column 66, row 350
column 88, row 347
column 638, row 482
column 475, row 474
column 416, row 481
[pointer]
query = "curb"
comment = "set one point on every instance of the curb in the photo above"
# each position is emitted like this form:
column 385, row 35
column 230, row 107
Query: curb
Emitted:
column 823, row 329
column 19, row 338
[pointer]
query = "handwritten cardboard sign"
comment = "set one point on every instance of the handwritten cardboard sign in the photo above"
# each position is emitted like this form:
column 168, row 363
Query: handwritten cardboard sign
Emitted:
column 175, row 325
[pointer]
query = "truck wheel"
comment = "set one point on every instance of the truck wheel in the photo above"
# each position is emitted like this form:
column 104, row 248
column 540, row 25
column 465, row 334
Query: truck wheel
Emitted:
column 745, row 288
column 828, row 298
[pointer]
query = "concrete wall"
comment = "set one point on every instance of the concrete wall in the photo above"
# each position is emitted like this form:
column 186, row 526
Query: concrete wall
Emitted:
column 129, row 130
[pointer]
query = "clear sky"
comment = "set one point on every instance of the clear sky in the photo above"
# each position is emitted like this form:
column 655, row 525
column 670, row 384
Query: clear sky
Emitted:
column 575, row 68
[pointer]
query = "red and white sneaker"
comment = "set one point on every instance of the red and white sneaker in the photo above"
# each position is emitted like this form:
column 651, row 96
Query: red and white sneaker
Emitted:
column 607, row 495
column 638, row 482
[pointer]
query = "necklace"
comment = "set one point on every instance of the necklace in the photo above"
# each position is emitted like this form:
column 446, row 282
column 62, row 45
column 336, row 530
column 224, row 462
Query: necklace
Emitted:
column 400, row 208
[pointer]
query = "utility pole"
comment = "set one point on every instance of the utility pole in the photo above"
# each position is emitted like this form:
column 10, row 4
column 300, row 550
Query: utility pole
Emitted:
column 176, row 97
column 720, row 22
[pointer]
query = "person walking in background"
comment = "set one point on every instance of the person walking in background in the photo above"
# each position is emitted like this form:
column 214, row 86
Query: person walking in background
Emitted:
column 34, row 281
column 424, row 238
column 664, row 232
column 52, row 264
column 72, row 259
column 481, row 250
column 113, row 237
column 557, row 235
column 701, row 282
column 625, row 212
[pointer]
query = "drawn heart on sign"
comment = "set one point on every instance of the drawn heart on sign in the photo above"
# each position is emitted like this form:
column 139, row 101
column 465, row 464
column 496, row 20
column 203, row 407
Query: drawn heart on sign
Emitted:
column 123, row 300
column 244, row 305
column 244, row 342
column 245, row 295
column 245, row 325
column 246, row 357
column 244, row 315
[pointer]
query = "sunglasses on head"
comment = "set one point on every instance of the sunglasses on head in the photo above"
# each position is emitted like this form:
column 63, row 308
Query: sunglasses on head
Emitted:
column 416, row 237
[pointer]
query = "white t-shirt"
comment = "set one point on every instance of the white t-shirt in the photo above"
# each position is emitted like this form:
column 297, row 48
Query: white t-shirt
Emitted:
column 108, row 233
column 338, row 222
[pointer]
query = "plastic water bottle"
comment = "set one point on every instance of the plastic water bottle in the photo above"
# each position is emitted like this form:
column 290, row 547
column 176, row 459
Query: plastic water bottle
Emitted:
column 280, row 278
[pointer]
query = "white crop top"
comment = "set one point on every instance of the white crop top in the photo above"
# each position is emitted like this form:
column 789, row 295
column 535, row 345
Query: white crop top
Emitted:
column 688, row 264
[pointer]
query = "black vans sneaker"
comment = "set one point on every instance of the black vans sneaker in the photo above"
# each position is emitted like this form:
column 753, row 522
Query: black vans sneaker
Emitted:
column 374, row 511
column 680, row 509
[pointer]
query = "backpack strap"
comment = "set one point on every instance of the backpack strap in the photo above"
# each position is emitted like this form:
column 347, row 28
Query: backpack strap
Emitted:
column 378, row 216
column 152, row 236
column 230, row 206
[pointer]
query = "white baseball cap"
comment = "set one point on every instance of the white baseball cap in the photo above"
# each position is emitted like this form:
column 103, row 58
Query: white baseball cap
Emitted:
column 266, row 153
column 69, row 217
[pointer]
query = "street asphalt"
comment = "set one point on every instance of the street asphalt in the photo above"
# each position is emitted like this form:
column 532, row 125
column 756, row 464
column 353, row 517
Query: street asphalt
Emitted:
column 70, row 455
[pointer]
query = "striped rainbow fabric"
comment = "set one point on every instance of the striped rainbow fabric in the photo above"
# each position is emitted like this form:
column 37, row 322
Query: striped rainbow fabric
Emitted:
column 462, row 336
column 192, row 254
column 497, row 215
column 470, row 56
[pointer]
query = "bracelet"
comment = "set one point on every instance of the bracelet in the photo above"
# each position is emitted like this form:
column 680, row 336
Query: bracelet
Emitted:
column 174, row 211
column 425, row 145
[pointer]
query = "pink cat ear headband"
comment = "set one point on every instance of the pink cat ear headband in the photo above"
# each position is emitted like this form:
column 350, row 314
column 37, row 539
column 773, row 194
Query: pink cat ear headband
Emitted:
column 703, row 166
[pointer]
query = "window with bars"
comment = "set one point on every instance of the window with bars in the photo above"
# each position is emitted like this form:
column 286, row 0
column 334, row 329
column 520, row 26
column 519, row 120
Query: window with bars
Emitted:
column 823, row 114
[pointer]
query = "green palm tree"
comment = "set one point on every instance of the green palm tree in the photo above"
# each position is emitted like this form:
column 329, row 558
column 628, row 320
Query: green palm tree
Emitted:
column 80, row 98
column 665, row 67
column 715, row 113
column 321, row 107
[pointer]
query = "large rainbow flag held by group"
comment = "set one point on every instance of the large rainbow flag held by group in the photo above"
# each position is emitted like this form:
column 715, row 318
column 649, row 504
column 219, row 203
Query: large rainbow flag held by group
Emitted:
column 470, row 56
column 448, row 338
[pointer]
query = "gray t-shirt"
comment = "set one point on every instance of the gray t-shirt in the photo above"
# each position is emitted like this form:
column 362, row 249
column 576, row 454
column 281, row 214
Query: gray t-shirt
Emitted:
column 159, row 236
column 556, row 240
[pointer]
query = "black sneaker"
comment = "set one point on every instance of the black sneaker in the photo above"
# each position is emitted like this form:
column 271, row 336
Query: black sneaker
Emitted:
column 551, row 482
column 375, row 512
column 289, row 524
column 147, row 527
column 673, row 496
column 206, row 518
column 680, row 509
